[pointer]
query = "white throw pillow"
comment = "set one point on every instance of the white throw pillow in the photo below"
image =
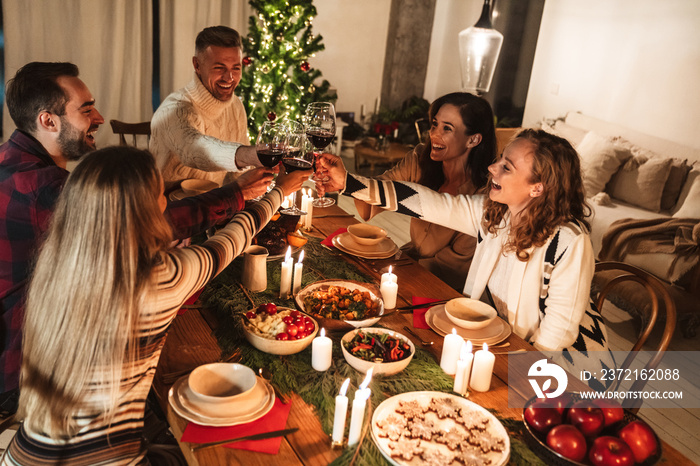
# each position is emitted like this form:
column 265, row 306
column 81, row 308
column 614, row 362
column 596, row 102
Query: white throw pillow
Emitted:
column 641, row 182
column 600, row 159
column 689, row 201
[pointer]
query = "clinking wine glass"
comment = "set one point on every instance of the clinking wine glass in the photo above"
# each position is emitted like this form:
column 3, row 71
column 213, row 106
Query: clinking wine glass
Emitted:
column 299, row 156
column 271, row 144
column 319, row 120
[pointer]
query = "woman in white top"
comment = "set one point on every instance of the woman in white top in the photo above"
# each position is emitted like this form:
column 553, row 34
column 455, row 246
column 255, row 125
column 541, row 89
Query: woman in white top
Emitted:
column 534, row 256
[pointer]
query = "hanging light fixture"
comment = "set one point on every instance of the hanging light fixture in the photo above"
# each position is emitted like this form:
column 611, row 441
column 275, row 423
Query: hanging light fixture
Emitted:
column 479, row 47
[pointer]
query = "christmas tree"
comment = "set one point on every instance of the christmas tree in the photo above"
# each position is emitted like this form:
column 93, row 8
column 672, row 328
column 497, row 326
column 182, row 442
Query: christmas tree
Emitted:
column 278, row 80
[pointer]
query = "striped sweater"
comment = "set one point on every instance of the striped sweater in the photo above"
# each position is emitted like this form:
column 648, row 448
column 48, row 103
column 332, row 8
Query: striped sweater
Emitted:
column 181, row 273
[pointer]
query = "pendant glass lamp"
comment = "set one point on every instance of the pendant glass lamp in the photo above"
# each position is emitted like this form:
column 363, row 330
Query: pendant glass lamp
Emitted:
column 479, row 47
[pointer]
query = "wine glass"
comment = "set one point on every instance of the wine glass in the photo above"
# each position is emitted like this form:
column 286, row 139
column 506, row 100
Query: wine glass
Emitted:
column 319, row 120
column 271, row 144
column 299, row 156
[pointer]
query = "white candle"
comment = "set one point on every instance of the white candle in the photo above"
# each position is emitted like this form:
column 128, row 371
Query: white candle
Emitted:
column 298, row 269
column 286, row 277
column 309, row 212
column 321, row 352
column 341, row 412
column 304, row 207
column 464, row 367
column 389, row 277
column 451, row 347
column 389, row 290
column 482, row 370
column 358, row 410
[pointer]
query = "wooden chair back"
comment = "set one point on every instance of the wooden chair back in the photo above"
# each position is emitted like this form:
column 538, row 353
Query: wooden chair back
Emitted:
column 131, row 129
column 657, row 293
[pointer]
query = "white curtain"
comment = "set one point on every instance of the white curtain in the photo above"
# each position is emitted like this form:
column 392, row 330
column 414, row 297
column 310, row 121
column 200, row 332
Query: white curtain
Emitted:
column 180, row 22
column 110, row 41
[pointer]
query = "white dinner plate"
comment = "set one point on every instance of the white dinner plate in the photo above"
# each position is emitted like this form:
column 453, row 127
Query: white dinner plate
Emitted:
column 495, row 332
column 388, row 408
column 383, row 250
column 352, row 285
column 181, row 400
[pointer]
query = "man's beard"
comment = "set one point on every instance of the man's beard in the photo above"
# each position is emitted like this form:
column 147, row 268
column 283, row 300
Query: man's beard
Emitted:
column 72, row 142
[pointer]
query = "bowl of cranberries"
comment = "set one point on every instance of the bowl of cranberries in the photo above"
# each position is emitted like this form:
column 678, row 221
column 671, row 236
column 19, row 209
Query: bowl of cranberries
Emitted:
column 278, row 330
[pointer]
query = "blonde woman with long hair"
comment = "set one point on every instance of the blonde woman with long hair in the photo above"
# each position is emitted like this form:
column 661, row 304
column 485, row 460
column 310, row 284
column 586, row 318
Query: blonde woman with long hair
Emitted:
column 105, row 288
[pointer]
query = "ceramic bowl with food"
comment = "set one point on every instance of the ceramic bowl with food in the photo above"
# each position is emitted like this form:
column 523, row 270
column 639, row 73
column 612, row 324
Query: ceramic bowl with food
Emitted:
column 192, row 187
column 347, row 302
column 365, row 234
column 469, row 313
column 384, row 351
column 279, row 330
column 221, row 382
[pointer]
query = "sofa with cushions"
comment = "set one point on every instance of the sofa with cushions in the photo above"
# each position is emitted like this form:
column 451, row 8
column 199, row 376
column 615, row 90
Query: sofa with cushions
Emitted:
column 645, row 195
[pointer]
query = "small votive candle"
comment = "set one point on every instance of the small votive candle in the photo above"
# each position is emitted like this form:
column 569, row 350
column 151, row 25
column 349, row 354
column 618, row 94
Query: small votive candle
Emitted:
column 464, row 367
column 286, row 277
column 482, row 370
column 358, row 410
column 298, row 269
column 389, row 291
column 321, row 352
column 341, row 413
column 451, row 348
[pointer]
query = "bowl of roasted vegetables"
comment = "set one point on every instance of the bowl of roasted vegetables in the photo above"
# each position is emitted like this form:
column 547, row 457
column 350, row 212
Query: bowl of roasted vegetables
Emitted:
column 385, row 351
column 355, row 303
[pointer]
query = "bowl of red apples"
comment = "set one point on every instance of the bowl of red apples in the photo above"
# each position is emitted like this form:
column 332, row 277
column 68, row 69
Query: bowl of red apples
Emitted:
column 278, row 330
column 569, row 430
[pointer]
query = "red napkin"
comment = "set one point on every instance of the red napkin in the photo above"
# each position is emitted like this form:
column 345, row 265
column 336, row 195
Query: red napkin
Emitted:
column 190, row 301
column 419, row 314
column 329, row 241
column 276, row 419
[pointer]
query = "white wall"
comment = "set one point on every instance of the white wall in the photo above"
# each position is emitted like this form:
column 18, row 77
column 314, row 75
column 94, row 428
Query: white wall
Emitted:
column 354, row 33
column 631, row 62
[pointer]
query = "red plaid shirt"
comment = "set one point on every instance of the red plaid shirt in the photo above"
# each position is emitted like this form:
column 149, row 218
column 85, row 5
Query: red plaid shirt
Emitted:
column 29, row 184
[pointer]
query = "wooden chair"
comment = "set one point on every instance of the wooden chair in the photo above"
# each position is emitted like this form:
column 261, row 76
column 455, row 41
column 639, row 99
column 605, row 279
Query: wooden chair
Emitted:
column 131, row 129
column 619, row 273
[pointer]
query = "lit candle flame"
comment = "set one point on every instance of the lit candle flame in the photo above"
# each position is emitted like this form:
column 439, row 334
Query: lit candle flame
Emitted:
column 288, row 256
column 389, row 269
column 301, row 257
column 368, row 378
column 466, row 350
column 469, row 346
column 344, row 387
column 323, row 332
column 485, row 347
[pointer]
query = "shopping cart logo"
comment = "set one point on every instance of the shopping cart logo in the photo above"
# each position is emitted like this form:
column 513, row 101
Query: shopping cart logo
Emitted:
column 542, row 368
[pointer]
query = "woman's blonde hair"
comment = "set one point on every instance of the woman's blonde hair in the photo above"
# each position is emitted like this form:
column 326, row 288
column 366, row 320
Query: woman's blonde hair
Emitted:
column 92, row 277
column 557, row 166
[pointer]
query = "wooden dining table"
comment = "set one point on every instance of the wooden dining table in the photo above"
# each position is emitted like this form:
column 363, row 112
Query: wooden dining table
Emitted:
column 191, row 342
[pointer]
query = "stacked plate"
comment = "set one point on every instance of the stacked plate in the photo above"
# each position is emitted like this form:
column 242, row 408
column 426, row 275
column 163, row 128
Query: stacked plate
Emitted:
column 244, row 408
column 495, row 332
column 382, row 250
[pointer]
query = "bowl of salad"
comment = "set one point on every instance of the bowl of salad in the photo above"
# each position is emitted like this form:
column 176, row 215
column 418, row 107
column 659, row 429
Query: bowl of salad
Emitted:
column 278, row 330
column 386, row 351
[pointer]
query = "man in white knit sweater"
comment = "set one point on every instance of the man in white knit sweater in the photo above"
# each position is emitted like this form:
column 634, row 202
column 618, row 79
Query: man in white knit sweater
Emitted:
column 200, row 130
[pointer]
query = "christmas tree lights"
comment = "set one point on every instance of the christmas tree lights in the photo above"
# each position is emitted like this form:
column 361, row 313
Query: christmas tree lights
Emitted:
column 277, row 77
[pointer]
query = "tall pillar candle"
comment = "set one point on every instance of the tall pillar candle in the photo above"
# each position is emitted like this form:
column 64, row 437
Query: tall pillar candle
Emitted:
column 298, row 270
column 340, row 414
column 304, row 207
column 286, row 276
column 321, row 352
column 482, row 370
column 464, row 367
column 359, row 404
column 451, row 347
column 309, row 212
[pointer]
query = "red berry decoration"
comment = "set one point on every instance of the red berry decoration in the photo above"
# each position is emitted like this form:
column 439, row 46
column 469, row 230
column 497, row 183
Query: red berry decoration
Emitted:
column 272, row 116
column 305, row 66
column 247, row 61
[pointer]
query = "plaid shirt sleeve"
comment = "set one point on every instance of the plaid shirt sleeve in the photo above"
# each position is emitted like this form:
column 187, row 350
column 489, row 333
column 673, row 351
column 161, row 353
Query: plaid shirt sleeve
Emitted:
column 192, row 215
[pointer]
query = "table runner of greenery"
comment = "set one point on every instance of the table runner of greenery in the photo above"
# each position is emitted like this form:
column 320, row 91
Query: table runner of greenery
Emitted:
column 226, row 299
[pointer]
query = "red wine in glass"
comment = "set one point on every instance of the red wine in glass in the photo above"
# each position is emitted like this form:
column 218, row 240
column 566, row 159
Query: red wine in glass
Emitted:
column 320, row 138
column 270, row 156
column 292, row 164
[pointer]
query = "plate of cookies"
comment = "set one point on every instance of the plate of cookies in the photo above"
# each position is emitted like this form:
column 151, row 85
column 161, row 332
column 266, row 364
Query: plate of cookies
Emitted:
column 435, row 428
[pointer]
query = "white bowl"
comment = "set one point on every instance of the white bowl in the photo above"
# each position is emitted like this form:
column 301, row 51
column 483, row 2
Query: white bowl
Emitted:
column 469, row 313
column 365, row 234
column 192, row 187
column 280, row 347
column 221, row 382
column 384, row 368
